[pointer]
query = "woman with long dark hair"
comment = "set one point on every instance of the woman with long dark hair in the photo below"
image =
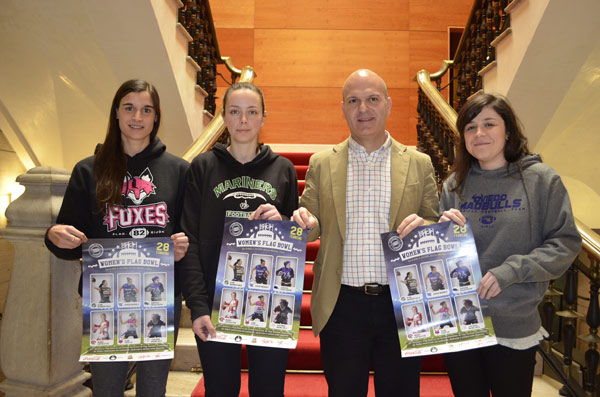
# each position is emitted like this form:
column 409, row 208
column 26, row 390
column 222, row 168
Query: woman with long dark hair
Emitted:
column 242, row 179
column 525, row 234
column 131, row 169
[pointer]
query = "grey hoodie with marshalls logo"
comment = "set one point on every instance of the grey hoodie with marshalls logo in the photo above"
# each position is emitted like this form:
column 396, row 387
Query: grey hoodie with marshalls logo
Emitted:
column 525, row 235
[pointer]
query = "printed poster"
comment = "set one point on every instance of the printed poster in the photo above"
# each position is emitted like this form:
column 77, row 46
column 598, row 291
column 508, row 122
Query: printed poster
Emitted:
column 258, row 292
column 128, row 300
column 434, row 273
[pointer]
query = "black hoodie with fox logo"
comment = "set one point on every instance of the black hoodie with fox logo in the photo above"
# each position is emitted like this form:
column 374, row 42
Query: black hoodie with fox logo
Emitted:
column 152, row 200
column 220, row 187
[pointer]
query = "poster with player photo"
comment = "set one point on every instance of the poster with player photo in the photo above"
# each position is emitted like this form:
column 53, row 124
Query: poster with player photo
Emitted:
column 443, row 316
column 129, row 327
column 128, row 292
column 257, row 309
column 128, row 299
column 231, row 306
column 274, row 252
column 261, row 270
column 156, row 328
column 469, row 310
column 102, row 328
column 436, row 280
column 283, row 307
column 415, row 321
column 431, row 314
column 408, row 284
column 284, row 275
column 155, row 289
column 461, row 274
column 103, row 284
column 235, row 270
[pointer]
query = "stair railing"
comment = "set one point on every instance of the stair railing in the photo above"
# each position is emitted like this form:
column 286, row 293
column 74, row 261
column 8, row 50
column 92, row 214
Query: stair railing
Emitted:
column 487, row 21
column 196, row 18
column 436, row 124
column 437, row 136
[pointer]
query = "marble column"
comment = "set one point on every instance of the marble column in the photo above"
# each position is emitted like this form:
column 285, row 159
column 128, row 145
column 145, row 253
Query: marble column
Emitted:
column 40, row 340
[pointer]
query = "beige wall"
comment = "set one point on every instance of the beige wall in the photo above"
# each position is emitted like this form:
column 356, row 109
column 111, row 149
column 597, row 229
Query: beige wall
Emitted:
column 303, row 52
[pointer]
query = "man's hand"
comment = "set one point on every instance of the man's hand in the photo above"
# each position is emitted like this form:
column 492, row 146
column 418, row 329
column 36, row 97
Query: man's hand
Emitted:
column 304, row 218
column 202, row 326
column 409, row 224
column 453, row 215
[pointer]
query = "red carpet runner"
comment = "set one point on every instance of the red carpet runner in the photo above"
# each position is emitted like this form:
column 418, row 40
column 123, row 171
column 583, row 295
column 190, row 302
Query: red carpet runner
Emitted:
column 306, row 356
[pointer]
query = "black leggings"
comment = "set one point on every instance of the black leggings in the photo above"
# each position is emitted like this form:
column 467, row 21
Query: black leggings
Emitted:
column 221, row 367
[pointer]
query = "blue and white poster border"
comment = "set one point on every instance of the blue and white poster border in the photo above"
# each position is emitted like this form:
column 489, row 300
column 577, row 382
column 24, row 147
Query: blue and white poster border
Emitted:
column 433, row 274
column 260, row 279
column 128, row 300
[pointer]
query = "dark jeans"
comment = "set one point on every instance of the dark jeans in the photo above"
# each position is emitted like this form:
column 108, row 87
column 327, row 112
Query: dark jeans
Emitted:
column 362, row 333
column 221, row 364
column 504, row 371
column 108, row 379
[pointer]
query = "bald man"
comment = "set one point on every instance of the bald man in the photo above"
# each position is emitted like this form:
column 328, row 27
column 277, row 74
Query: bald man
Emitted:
column 367, row 185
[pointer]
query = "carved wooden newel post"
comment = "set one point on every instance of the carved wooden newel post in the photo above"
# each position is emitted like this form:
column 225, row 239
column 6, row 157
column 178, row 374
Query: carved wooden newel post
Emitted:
column 41, row 327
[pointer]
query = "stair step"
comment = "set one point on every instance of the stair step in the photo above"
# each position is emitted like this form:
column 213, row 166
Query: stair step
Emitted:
column 186, row 353
column 301, row 171
column 179, row 384
column 307, row 354
column 297, row 158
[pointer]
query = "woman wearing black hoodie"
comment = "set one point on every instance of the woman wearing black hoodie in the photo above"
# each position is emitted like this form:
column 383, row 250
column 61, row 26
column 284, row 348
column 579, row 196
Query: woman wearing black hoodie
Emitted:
column 131, row 177
column 243, row 179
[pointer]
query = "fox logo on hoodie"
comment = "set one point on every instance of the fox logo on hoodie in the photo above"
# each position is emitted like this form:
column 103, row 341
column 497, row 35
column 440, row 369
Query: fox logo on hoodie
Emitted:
column 137, row 188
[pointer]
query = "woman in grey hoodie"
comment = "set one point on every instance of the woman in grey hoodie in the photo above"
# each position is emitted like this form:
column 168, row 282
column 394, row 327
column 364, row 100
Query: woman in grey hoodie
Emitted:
column 525, row 234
